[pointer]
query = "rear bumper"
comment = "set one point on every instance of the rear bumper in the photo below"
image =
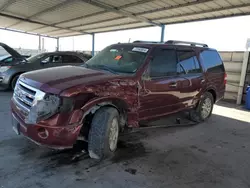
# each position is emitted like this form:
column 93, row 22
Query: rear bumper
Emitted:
column 55, row 137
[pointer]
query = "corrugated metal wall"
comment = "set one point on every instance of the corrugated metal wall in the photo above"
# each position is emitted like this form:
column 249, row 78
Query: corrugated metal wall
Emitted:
column 233, row 64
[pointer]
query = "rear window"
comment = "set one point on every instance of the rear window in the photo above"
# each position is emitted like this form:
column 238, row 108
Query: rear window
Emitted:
column 71, row 59
column 212, row 61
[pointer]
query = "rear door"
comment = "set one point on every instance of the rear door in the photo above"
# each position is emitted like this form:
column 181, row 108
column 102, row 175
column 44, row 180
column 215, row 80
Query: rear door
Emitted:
column 190, row 70
column 71, row 60
column 160, row 94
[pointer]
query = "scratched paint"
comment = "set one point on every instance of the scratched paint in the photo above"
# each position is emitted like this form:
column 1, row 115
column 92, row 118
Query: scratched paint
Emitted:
column 142, row 99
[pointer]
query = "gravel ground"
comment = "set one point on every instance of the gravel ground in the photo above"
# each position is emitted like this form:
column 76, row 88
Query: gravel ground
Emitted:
column 211, row 154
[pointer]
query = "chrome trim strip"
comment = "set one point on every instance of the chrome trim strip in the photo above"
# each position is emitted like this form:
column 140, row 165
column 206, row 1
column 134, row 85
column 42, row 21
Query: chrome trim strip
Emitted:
column 29, row 87
column 21, row 105
column 24, row 100
column 26, row 92
column 39, row 94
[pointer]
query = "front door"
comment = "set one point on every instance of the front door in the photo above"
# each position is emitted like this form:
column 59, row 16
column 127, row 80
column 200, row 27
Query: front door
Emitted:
column 160, row 91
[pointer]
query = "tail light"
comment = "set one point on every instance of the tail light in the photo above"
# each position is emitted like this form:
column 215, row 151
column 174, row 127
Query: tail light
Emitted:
column 225, row 78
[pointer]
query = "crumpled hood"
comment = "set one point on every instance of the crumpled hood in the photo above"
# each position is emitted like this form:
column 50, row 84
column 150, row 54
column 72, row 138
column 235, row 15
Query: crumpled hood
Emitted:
column 55, row 80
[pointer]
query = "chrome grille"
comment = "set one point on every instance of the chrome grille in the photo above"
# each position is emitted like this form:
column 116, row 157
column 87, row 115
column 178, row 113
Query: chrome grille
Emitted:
column 25, row 96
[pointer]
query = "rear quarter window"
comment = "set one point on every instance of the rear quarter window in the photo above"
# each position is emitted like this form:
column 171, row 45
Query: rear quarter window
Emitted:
column 212, row 61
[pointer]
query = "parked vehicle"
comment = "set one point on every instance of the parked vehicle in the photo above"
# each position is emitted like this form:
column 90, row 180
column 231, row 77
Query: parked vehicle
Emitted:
column 6, row 59
column 118, row 88
column 11, row 70
column 13, row 56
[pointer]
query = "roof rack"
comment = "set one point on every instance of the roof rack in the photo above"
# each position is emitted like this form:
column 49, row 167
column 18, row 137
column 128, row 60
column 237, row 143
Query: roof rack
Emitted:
column 185, row 42
column 141, row 41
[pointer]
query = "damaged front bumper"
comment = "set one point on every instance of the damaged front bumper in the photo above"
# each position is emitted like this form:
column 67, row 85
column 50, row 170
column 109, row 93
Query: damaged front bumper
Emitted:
column 53, row 133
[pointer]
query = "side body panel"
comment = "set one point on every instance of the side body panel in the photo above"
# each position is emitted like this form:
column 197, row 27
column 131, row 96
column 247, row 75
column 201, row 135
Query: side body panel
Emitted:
column 160, row 97
column 171, row 94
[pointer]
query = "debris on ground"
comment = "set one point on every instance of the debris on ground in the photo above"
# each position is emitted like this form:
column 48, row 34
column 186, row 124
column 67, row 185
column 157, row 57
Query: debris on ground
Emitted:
column 131, row 171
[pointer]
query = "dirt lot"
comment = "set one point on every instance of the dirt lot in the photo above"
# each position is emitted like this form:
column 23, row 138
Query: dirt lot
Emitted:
column 211, row 154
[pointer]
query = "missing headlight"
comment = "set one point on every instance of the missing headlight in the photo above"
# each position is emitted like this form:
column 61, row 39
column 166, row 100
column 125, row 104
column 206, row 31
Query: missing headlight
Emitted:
column 67, row 104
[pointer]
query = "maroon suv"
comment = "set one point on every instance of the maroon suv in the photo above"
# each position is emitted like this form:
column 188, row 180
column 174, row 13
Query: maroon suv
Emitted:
column 118, row 88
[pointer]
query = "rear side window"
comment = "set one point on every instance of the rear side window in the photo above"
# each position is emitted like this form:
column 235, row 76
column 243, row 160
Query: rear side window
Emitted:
column 187, row 62
column 71, row 59
column 164, row 63
column 212, row 61
column 57, row 59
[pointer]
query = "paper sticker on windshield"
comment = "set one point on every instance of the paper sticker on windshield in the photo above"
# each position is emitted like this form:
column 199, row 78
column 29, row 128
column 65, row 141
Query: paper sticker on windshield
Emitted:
column 118, row 57
column 138, row 49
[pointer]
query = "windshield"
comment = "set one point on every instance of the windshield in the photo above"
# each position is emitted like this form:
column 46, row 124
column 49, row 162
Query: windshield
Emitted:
column 35, row 58
column 119, row 59
column 4, row 57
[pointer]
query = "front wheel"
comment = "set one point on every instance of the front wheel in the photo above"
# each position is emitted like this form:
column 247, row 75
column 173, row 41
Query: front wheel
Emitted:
column 104, row 132
column 13, row 82
column 204, row 109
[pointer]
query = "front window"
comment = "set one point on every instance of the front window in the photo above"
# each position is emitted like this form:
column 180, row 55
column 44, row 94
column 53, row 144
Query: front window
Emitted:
column 36, row 58
column 119, row 59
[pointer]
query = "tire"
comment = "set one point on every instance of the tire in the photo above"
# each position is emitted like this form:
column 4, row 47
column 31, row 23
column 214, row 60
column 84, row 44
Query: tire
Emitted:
column 103, row 133
column 199, row 114
column 13, row 82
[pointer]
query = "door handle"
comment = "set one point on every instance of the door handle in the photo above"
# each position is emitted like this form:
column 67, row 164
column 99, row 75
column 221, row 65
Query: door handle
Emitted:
column 173, row 85
column 202, row 80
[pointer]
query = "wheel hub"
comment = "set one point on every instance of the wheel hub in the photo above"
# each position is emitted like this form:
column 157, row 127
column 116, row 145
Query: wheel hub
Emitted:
column 206, row 108
column 113, row 135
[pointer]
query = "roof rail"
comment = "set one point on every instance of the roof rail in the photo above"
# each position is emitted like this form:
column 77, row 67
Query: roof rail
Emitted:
column 141, row 41
column 185, row 42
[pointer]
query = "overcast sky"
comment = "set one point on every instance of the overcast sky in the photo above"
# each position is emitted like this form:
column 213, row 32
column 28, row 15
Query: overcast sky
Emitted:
column 229, row 34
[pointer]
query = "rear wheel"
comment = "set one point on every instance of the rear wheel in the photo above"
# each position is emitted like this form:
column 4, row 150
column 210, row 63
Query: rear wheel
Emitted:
column 13, row 82
column 104, row 132
column 204, row 109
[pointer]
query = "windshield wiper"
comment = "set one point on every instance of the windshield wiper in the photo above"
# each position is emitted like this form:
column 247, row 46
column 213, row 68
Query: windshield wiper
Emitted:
column 102, row 67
